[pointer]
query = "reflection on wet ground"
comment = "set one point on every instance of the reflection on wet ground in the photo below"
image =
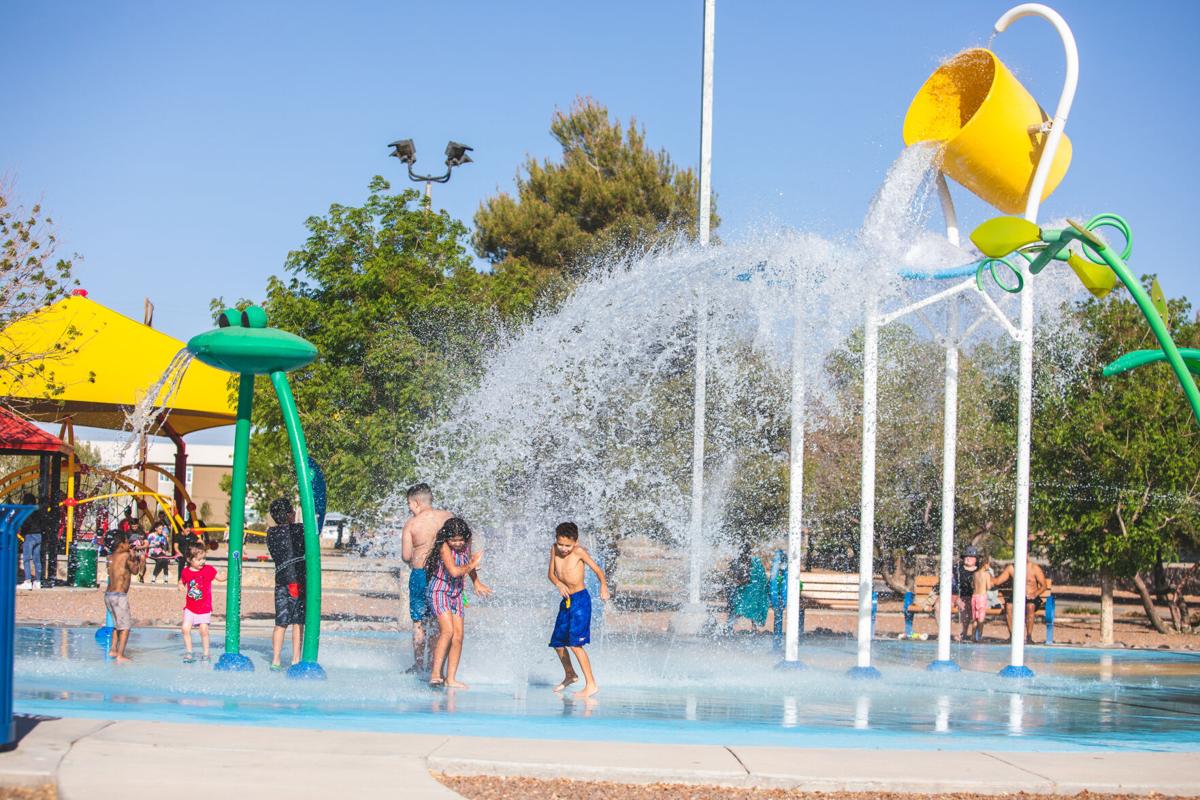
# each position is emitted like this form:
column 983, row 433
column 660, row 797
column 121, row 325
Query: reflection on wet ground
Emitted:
column 653, row 689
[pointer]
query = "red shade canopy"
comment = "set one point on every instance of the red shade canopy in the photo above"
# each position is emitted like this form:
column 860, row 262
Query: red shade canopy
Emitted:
column 19, row 436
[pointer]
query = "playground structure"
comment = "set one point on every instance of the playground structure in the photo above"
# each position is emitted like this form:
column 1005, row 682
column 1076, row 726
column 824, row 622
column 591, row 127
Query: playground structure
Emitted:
column 244, row 345
column 101, row 361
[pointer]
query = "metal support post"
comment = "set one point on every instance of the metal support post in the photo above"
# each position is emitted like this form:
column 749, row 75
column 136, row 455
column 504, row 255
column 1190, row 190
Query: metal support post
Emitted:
column 949, row 462
column 795, row 551
column 1016, row 667
column 866, row 546
column 232, row 659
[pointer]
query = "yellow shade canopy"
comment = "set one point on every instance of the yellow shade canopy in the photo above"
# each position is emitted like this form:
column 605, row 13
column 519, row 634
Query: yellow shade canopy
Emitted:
column 105, row 362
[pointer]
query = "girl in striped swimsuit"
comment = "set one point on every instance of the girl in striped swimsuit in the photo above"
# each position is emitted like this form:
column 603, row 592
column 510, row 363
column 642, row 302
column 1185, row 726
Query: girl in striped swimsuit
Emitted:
column 448, row 563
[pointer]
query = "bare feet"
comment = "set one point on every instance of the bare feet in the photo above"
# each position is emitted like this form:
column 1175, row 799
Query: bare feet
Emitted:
column 123, row 660
column 586, row 691
column 436, row 683
column 456, row 684
column 567, row 681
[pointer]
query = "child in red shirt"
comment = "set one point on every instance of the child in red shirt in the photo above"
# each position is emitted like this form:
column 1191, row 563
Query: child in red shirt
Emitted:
column 195, row 581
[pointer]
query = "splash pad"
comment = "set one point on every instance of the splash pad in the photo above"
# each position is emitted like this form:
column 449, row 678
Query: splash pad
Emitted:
column 686, row 691
column 588, row 414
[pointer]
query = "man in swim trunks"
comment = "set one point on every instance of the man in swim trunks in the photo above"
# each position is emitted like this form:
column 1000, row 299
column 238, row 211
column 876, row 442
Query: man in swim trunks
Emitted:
column 416, row 542
column 573, row 628
column 1036, row 589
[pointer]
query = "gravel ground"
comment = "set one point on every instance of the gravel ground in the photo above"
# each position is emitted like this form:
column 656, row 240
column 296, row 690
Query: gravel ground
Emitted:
column 487, row 788
column 43, row 792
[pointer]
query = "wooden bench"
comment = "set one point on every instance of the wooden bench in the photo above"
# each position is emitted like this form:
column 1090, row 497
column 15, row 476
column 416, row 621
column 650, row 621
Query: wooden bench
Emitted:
column 829, row 589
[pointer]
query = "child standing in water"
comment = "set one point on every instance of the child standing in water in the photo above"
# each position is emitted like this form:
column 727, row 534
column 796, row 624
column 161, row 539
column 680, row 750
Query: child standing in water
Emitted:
column 573, row 628
column 982, row 582
column 122, row 564
column 195, row 581
column 449, row 561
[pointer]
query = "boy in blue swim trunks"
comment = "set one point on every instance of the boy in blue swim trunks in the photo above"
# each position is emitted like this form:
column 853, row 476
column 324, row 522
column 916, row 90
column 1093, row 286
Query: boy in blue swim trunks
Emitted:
column 416, row 543
column 573, row 628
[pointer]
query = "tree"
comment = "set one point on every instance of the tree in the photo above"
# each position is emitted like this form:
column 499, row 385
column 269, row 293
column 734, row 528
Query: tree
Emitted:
column 31, row 277
column 388, row 294
column 909, row 453
column 610, row 190
column 1117, row 459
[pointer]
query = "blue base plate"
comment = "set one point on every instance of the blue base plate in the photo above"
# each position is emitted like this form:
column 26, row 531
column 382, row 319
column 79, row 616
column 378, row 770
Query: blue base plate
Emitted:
column 306, row 671
column 234, row 662
column 864, row 673
column 1016, row 672
column 943, row 666
column 104, row 636
column 790, row 666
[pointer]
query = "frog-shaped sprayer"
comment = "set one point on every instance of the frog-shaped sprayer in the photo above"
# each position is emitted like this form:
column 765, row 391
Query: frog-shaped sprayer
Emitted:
column 243, row 344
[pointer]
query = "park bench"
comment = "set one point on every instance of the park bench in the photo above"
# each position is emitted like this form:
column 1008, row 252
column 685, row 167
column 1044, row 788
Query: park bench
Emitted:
column 829, row 589
column 838, row 590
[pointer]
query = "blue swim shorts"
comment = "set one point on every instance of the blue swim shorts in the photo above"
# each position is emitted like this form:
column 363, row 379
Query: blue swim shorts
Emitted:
column 573, row 628
column 418, row 597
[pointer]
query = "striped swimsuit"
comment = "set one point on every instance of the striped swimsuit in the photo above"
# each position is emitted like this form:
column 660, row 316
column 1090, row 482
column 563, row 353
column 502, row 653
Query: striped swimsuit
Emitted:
column 445, row 593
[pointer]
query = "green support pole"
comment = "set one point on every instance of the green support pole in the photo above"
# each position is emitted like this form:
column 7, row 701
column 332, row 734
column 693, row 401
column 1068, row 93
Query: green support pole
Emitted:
column 233, row 660
column 244, row 345
column 1142, row 298
column 308, row 667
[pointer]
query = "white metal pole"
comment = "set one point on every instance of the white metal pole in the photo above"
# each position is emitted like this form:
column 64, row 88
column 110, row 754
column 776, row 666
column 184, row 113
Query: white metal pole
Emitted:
column 949, row 449
column 1017, row 666
column 706, row 99
column 949, row 465
column 701, row 368
column 948, row 209
column 696, row 529
column 866, row 546
column 795, row 483
column 1024, row 442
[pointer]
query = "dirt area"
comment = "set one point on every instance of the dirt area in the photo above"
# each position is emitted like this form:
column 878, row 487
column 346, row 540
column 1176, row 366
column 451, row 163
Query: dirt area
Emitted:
column 161, row 604
column 1130, row 627
column 43, row 792
column 487, row 788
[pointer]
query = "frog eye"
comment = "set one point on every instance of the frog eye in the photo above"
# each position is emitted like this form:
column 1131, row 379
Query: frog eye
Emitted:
column 230, row 318
column 254, row 317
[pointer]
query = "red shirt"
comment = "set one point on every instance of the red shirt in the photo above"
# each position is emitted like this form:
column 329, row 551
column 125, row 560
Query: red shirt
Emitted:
column 199, row 588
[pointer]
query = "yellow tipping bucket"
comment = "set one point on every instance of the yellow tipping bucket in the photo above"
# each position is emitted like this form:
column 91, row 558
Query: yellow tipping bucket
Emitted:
column 988, row 124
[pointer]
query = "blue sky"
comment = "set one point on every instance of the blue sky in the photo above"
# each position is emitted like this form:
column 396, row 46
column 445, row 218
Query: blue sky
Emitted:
column 180, row 147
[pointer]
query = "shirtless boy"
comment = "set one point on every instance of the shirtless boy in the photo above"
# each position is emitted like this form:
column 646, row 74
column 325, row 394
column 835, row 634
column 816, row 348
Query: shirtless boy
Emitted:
column 981, row 583
column 1036, row 587
column 416, row 542
column 122, row 565
column 573, row 628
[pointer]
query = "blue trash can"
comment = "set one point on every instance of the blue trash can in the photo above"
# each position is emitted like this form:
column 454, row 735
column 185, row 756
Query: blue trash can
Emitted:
column 11, row 518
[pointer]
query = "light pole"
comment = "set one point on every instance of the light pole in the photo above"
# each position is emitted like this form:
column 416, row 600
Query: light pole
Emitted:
column 406, row 151
column 692, row 616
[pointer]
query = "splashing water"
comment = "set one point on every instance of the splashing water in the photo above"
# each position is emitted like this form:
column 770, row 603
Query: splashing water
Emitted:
column 153, row 405
column 586, row 413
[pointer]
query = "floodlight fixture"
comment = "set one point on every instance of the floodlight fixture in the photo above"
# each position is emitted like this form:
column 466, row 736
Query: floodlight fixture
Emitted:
column 456, row 154
column 406, row 151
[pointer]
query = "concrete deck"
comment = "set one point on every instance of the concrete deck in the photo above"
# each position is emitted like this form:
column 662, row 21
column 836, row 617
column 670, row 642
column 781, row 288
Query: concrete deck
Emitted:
column 99, row 759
